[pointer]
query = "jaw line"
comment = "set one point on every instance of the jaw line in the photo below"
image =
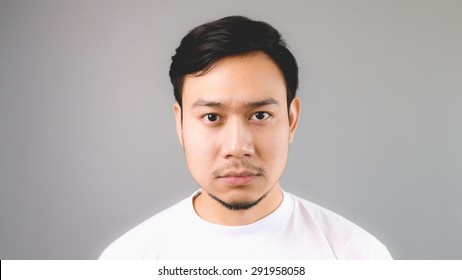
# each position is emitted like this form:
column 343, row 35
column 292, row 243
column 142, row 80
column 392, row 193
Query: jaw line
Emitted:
column 238, row 206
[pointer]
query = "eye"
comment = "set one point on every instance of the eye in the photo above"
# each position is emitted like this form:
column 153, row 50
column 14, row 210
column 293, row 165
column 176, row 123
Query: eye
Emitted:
column 260, row 116
column 211, row 118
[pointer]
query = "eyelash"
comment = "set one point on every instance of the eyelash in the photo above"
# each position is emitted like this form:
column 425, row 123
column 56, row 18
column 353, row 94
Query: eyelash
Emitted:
column 267, row 115
column 218, row 117
column 210, row 114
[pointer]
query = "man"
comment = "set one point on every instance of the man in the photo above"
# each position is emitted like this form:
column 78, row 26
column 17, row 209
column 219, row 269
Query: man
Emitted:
column 236, row 112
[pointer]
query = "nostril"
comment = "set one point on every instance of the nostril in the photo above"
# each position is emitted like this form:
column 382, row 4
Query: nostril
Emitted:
column 238, row 151
column 237, row 139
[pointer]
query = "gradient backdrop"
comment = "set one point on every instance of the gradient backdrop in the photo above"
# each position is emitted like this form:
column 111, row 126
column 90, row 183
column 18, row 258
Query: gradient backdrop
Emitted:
column 88, row 147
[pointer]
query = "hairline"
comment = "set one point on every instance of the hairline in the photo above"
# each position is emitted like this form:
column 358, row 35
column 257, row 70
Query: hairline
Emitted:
column 210, row 66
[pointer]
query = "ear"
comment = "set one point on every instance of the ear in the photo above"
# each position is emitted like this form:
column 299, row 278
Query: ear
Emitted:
column 179, row 122
column 294, row 116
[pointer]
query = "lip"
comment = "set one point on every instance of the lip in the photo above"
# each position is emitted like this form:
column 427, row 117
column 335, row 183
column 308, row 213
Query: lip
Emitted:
column 238, row 178
column 236, row 173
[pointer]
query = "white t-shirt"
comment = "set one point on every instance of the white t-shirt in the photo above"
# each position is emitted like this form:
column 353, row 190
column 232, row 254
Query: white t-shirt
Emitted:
column 297, row 229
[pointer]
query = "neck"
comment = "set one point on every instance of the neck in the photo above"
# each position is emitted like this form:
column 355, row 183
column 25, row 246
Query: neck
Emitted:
column 212, row 211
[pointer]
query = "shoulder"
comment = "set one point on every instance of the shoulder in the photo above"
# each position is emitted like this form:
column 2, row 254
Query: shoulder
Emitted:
column 346, row 239
column 134, row 243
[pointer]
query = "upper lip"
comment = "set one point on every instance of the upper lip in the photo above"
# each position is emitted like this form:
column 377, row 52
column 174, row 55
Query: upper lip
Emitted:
column 242, row 173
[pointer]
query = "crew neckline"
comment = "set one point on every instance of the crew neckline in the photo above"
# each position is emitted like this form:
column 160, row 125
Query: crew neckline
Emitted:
column 266, row 225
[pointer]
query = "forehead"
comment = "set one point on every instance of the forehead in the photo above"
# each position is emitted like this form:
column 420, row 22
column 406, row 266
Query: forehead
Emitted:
column 237, row 80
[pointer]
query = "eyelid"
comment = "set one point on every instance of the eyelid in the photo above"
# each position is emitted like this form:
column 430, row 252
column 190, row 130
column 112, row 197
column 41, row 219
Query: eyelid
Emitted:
column 269, row 115
column 204, row 116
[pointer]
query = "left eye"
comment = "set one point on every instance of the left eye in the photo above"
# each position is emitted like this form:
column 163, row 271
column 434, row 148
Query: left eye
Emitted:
column 260, row 116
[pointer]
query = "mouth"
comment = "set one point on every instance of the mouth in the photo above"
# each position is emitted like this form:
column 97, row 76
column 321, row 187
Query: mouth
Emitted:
column 238, row 178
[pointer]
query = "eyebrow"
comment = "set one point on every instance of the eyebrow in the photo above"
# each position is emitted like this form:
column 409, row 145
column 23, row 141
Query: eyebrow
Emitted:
column 209, row 103
column 267, row 101
column 206, row 103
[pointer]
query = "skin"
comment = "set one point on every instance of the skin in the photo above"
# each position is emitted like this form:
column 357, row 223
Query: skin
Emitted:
column 235, row 131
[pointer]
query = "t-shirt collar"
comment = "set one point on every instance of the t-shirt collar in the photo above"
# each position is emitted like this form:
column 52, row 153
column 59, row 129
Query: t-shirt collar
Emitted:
column 266, row 225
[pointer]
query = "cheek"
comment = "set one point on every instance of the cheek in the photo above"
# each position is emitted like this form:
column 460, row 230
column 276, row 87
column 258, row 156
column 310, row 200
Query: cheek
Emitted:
column 273, row 147
column 199, row 149
column 198, row 140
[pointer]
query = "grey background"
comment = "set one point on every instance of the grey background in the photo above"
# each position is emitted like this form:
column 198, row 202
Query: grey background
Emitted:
column 88, row 147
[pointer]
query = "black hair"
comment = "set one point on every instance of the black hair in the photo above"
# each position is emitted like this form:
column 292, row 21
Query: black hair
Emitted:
column 231, row 36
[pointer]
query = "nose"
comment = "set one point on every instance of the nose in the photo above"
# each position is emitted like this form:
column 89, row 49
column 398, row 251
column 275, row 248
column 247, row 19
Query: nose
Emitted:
column 237, row 139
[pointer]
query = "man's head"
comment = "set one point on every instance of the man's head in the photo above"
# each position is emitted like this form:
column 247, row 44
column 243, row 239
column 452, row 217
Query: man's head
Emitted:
column 236, row 111
column 203, row 46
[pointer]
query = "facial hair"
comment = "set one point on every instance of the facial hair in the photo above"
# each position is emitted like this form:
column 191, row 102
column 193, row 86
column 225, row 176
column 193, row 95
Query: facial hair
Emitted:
column 236, row 165
column 238, row 206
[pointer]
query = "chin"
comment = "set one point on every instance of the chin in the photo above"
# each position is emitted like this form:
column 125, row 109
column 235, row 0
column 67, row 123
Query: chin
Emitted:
column 238, row 204
column 244, row 194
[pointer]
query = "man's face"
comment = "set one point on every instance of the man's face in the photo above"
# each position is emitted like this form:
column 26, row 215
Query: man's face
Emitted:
column 235, row 128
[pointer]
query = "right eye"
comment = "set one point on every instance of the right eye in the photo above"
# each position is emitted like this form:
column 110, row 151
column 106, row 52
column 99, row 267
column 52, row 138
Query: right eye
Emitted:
column 211, row 118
